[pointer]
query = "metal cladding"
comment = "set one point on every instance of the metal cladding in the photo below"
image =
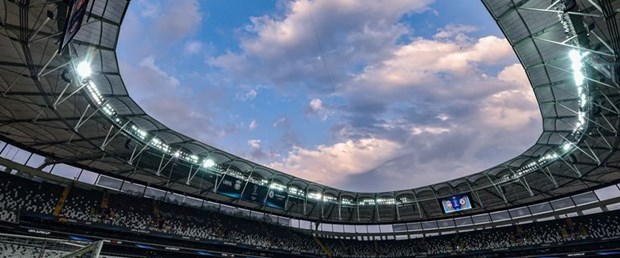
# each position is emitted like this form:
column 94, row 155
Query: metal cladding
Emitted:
column 51, row 105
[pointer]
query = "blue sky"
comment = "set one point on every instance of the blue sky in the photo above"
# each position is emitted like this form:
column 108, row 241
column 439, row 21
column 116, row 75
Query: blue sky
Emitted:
column 360, row 95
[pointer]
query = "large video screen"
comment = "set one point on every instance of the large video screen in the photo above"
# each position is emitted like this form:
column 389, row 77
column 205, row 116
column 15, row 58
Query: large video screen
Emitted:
column 456, row 203
column 231, row 187
column 254, row 193
column 234, row 187
column 276, row 199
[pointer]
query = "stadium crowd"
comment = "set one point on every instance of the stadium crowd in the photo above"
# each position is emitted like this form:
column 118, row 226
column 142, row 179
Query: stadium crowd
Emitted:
column 28, row 250
column 122, row 210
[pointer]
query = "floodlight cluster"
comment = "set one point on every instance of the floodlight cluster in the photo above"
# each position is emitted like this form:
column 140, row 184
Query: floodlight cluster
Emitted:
column 578, row 71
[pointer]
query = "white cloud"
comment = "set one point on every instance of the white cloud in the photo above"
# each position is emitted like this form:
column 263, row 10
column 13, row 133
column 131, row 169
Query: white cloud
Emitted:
column 249, row 95
column 149, row 62
column 254, row 144
column 429, row 130
column 281, row 122
column 178, row 19
column 253, row 125
column 443, row 117
column 423, row 60
column 149, row 8
column 193, row 47
column 455, row 30
column 512, row 108
column 316, row 105
column 281, row 49
column 331, row 164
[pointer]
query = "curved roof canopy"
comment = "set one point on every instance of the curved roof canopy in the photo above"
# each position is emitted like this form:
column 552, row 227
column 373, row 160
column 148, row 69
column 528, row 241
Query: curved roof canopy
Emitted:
column 568, row 48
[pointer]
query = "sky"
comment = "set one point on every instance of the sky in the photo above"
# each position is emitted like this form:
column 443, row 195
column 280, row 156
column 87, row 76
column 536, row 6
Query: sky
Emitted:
column 355, row 94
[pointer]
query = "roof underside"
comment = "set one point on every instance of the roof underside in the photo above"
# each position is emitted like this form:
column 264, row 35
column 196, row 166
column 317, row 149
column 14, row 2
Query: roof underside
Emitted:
column 75, row 132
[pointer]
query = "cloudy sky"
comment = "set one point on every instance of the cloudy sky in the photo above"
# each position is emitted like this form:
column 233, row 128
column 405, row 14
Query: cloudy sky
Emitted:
column 360, row 95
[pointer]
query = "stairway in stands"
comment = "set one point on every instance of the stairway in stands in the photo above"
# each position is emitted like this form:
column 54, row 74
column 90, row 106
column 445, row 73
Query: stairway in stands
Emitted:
column 325, row 250
column 61, row 202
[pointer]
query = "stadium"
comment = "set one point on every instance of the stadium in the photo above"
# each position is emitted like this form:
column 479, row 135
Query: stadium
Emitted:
column 142, row 189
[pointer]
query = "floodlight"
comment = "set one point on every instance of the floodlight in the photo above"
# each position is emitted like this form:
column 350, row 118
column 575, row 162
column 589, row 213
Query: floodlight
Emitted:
column 574, row 56
column 578, row 77
column 207, row 163
column 83, row 70
column 566, row 146
column 177, row 154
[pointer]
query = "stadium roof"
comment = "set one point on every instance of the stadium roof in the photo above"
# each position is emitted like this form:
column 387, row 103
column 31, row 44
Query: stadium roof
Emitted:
column 569, row 52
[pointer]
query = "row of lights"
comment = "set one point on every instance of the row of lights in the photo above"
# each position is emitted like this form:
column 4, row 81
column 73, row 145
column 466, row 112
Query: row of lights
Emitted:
column 577, row 68
column 84, row 72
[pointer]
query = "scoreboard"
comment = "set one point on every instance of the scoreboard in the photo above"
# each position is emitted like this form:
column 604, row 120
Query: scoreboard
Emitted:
column 456, row 203
column 240, row 189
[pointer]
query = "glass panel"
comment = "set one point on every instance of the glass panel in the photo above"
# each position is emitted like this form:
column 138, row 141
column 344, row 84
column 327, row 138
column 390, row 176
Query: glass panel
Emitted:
column 369, row 229
column 210, row 205
column 305, row 224
column 519, row 212
column 592, row 211
column 446, row 223
column 613, row 207
column 88, row 177
column 153, row 193
column 131, row 188
column 35, row 160
column 110, row 182
column 399, row 227
column 607, row 192
column 20, row 156
column 349, row 228
column 562, row 203
column 174, row 198
column 283, row 221
column 67, row 171
column 294, row 223
column 500, row 215
column 257, row 215
column 540, row 208
column 193, row 202
column 414, row 226
column 463, row 221
column 328, row 227
column 429, row 224
column 47, row 168
column 584, row 198
column 338, row 228
column 361, row 229
column 8, row 151
column 386, row 228
column 479, row 219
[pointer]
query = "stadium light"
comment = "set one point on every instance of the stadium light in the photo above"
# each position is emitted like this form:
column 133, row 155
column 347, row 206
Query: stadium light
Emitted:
column 577, row 66
column 566, row 146
column 83, row 70
column 208, row 163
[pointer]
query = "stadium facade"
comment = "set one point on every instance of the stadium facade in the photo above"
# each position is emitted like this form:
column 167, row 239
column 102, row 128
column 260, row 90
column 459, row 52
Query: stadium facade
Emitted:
column 65, row 116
